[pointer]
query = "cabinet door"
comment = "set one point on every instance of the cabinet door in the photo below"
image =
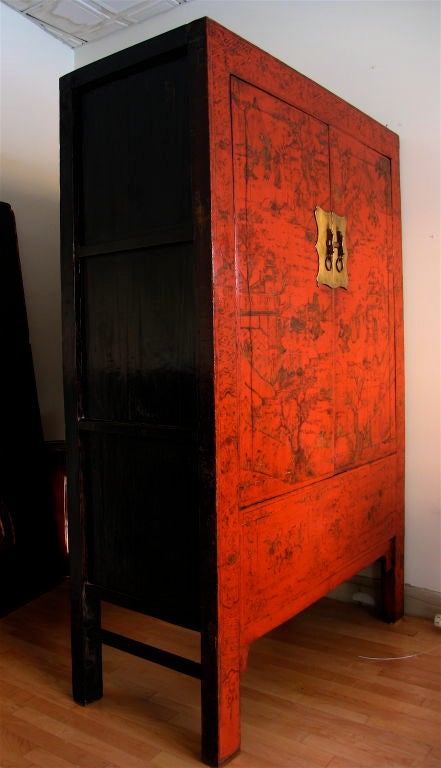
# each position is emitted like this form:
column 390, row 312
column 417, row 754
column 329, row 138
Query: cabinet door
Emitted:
column 317, row 366
column 364, row 314
column 281, row 173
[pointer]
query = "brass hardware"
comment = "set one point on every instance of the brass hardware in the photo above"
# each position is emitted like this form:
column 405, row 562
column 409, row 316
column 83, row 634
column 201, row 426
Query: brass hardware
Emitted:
column 331, row 249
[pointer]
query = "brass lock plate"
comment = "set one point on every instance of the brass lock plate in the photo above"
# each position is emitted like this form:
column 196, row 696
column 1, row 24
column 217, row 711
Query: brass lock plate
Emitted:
column 331, row 249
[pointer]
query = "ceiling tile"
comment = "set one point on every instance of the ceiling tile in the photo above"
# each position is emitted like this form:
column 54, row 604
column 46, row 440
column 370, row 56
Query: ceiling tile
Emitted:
column 144, row 11
column 121, row 6
column 66, row 15
column 18, row 5
column 75, row 22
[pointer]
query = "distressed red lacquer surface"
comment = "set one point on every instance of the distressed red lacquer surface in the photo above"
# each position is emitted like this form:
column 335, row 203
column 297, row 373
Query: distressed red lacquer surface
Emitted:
column 308, row 380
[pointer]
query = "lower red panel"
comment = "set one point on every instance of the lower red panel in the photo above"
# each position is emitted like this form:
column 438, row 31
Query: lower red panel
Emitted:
column 298, row 548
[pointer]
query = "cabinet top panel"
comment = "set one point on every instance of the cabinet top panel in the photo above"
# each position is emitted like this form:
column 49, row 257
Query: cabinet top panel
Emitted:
column 217, row 43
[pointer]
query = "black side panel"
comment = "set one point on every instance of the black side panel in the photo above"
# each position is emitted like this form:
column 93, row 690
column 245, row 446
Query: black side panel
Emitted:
column 142, row 523
column 130, row 337
column 139, row 337
column 135, row 145
column 139, row 379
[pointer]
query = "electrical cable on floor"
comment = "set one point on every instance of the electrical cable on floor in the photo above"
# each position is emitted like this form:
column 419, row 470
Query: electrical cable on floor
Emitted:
column 400, row 658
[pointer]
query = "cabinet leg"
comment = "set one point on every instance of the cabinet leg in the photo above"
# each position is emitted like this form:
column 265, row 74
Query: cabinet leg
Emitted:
column 220, row 706
column 87, row 675
column 393, row 581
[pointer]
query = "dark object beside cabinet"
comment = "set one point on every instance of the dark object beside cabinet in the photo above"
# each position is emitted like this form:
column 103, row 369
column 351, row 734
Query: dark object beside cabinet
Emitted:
column 30, row 561
column 234, row 429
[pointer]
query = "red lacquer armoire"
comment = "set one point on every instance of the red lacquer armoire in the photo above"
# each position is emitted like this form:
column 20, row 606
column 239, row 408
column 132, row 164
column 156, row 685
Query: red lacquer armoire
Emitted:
column 233, row 352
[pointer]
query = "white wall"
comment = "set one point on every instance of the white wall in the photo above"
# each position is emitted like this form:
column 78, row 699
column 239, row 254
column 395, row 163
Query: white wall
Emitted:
column 31, row 63
column 383, row 57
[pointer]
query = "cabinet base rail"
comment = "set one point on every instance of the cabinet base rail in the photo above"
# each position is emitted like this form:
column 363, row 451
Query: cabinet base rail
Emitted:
column 148, row 652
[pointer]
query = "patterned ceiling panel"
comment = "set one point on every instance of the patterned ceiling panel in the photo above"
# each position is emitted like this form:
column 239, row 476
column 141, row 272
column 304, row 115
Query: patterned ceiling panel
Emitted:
column 76, row 22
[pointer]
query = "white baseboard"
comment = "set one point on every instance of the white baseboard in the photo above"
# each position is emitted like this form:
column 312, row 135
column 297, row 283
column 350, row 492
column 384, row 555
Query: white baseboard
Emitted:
column 421, row 602
column 367, row 589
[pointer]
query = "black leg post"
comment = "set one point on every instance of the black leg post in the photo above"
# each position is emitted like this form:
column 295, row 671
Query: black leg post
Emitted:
column 87, row 674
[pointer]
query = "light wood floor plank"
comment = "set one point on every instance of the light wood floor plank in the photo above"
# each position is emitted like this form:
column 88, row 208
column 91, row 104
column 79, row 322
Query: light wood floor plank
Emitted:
column 55, row 745
column 13, row 745
column 78, row 730
column 433, row 760
column 308, row 698
column 45, row 759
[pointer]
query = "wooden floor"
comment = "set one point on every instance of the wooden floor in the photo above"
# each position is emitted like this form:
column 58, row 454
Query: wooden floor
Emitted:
column 324, row 690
